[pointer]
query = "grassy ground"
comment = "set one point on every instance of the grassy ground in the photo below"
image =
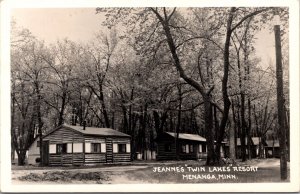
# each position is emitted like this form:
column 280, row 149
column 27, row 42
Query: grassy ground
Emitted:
column 264, row 170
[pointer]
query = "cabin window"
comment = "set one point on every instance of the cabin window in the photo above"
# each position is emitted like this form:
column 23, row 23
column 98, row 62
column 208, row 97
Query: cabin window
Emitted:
column 168, row 147
column 61, row 148
column 203, row 148
column 95, row 147
column 183, row 150
column 191, row 148
column 122, row 148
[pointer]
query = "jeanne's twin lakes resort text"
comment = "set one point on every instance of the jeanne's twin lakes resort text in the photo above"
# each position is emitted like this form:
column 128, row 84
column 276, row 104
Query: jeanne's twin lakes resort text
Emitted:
column 195, row 172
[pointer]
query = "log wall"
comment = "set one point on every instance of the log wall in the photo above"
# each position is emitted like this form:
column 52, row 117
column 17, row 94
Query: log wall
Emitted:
column 166, row 155
column 121, row 157
column 162, row 154
column 68, row 136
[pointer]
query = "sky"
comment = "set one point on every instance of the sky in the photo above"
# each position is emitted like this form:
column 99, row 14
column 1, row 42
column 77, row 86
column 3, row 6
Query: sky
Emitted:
column 80, row 25
column 52, row 24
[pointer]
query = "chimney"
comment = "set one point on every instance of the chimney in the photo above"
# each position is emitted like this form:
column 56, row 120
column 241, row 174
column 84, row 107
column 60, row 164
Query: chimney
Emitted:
column 84, row 124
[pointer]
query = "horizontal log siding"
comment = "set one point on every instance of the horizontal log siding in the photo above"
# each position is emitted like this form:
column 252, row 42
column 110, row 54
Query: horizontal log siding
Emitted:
column 165, row 155
column 121, row 157
column 55, row 160
column 78, row 158
column 64, row 135
column 120, row 140
column 96, row 139
column 95, row 158
column 66, row 159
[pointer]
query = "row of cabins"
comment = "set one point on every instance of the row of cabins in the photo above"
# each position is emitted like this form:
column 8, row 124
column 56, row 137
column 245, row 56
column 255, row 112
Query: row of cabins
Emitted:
column 77, row 145
column 270, row 148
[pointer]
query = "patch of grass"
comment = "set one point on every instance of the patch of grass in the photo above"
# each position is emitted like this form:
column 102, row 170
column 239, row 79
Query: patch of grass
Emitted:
column 65, row 176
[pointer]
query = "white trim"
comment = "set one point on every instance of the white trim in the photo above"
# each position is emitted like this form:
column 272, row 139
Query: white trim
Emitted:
column 52, row 148
column 87, row 147
column 69, row 147
column 128, row 150
column 77, row 147
column 115, row 148
column 103, row 148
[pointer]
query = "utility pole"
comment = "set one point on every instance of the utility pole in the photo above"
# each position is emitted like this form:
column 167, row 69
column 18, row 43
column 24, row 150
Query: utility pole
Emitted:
column 280, row 102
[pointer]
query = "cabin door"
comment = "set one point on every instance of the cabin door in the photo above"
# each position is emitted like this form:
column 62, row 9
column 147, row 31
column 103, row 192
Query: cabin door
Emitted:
column 45, row 153
column 109, row 151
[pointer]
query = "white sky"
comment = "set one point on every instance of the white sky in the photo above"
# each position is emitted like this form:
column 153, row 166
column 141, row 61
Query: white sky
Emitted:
column 80, row 25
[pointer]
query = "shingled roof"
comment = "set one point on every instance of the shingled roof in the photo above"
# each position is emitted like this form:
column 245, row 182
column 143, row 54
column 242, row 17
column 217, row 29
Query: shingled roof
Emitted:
column 92, row 131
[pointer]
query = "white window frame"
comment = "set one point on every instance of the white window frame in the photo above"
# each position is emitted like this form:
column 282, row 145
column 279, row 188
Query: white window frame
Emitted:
column 187, row 150
column 103, row 147
column 52, row 149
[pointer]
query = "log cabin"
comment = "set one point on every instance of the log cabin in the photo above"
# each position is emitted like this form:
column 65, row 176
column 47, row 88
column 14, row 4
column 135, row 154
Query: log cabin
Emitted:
column 78, row 145
column 272, row 149
column 191, row 146
column 255, row 142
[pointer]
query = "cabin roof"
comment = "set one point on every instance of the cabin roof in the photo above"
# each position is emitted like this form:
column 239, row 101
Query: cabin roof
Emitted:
column 92, row 131
column 97, row 131
column 270, row 143
column 255, row 141
column 187, row 136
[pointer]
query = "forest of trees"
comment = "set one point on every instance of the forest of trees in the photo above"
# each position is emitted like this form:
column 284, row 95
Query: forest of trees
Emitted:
column 150, row 70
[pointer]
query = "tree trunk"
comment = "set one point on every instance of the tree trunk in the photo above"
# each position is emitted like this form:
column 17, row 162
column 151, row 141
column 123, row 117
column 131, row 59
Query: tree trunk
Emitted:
column 211, row 155
column 232, row 138
column 178, row 122
column 249, row 129
column 125, row 120
column 226, row 101
column 21, row 157
column 159, row 121
column 130, row 125
column 243, row 129
column 280, row 105
column 40, row 122
column 62, row 110
column 103, row 106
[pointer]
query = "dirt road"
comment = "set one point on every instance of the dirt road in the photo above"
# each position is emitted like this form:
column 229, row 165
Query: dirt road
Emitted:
column 139, row 172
